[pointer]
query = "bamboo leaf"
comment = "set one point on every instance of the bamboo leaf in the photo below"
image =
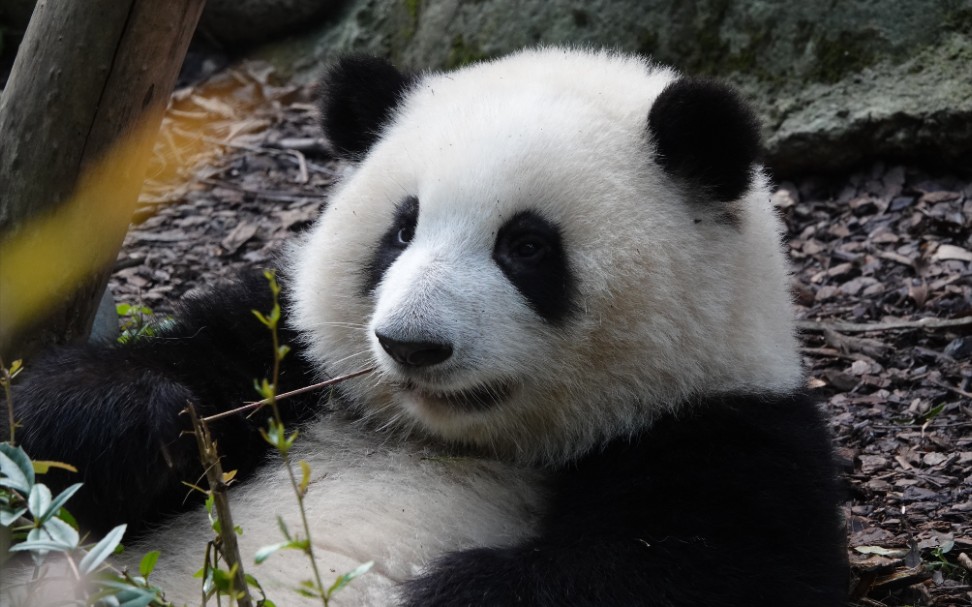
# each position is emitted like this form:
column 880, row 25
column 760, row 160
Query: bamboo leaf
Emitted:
column 346, row 579
column 266, row 551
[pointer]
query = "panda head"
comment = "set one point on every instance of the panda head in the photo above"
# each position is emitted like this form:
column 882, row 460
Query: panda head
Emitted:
column 544, row 252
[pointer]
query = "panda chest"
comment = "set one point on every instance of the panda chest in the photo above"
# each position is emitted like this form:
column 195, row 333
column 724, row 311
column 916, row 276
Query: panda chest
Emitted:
column 400, row 506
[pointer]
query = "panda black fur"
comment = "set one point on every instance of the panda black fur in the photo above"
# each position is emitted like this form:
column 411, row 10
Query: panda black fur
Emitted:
column 565, row 266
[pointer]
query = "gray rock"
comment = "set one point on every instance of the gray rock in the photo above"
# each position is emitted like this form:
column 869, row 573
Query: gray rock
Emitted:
column 836, row 83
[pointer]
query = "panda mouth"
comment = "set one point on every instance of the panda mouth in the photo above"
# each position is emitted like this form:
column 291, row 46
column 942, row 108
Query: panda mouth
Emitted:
column 480, row 398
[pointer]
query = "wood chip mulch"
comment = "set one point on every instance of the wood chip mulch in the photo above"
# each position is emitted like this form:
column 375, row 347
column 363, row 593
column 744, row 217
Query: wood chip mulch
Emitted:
column 882, row 279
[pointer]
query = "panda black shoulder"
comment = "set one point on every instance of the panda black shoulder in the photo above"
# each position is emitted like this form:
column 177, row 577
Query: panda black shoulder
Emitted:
column 683, row 496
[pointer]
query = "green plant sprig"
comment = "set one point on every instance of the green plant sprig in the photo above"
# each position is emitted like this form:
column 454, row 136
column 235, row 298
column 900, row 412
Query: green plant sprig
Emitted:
column 277, row 437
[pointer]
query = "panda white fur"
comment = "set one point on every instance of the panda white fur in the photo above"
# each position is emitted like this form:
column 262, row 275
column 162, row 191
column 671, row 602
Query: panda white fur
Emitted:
column 565, row 267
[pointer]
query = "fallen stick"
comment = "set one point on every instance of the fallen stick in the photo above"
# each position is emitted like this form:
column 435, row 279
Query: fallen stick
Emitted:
column 856, row 327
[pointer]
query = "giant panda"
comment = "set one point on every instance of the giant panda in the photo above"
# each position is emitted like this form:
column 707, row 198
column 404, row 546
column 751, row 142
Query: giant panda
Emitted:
column 565, row 268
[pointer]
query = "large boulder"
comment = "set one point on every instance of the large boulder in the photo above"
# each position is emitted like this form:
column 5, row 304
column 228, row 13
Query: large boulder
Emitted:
column 836, row 83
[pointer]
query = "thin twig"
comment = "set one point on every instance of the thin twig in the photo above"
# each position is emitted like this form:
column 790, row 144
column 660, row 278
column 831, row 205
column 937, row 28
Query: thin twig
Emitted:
column 268, row 194
column 854, row 327
column 6, row 378
column 217, row 487
column 958, row 391
column 256, row 405
column 296, row 154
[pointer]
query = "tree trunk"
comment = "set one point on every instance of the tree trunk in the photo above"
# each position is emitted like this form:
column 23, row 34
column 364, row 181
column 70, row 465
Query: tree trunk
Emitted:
column 77, row 121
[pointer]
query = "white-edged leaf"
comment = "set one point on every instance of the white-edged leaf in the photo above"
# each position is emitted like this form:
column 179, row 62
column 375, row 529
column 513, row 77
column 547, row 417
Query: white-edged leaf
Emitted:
column 144, row 599
column 43, row 545
column 345, row 579
column 61, row 532
column 102, row 550
column 128, row 595
column 58, row 502
column 264, row 553
column 9, row 517
column 16, row 470
column 39, row 500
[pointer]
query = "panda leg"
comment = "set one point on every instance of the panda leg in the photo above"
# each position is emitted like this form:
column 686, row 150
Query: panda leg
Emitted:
column 114, row 411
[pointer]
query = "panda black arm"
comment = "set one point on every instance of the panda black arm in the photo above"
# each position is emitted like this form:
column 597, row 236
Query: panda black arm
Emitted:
column 113, row 411
column 732, row 504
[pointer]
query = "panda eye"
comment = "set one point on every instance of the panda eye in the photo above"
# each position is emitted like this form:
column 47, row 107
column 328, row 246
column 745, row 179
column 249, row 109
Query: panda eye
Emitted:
column 405, row 235
column 530, row 248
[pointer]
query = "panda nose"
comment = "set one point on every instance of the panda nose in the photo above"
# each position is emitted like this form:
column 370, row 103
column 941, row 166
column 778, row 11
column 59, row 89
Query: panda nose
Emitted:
column 415, row 353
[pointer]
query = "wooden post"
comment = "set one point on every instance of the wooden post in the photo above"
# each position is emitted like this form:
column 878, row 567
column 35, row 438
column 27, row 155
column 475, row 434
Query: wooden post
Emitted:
column 90, row 75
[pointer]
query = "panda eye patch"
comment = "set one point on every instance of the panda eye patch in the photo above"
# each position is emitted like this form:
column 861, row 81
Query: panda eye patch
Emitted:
column 529, row 250
column 395, row 240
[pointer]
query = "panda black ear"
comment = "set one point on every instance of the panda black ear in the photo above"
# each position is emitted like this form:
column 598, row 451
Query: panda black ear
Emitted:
column 357, row 97
column 706, row 135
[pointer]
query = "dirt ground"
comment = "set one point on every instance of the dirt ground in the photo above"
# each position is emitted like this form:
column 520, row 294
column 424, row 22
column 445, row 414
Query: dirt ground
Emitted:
column 883, row 283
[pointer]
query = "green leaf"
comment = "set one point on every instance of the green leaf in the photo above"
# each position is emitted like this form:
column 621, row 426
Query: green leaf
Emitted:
column 12, row 372
column 67, row 517
column 283, row 527
column 346, row 579
column 102, row 550
column 44, row 466
column 147, row 565
column 305, row 474
column 283, row 351
column 263, row 319
column 16, row 470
